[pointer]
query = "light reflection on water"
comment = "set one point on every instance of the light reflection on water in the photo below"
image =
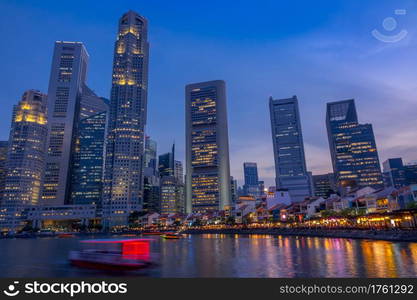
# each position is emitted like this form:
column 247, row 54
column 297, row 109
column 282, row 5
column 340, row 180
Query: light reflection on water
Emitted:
column 220, row 255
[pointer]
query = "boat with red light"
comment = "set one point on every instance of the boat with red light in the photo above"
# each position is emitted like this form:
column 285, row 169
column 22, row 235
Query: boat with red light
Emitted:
column 114, row 255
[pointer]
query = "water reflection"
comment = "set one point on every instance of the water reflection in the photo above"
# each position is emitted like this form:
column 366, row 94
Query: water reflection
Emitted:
column 219, row 255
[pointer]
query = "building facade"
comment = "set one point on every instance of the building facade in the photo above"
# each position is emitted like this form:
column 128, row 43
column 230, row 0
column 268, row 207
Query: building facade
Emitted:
column 179, row 171
column 151, row 194
column 87, row 170
column 352, row 147
column 69, row 101
column 171, row 195
column 3, row 156
column 25, row 156
column 397, row 174
column 166, row 163
column 68, row 75
column 410, row 173
column 287, row 139
column 123, row 179
column 394, row 173
column 324, row 185
column 150, row 159
column 207, row 147
column 251, row 186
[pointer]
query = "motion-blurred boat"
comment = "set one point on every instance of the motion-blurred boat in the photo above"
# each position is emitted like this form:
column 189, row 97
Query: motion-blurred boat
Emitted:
column 109, row 254
column 172, row 236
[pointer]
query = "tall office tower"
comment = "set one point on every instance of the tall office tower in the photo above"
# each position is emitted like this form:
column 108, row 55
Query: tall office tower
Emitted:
column 262, row 187
column 179, row 176
column 394, row 173
column 171, row 195
column 26, row 155
column 87, row 169
column 287, row 139
column 166, row 163
column 69, row 100
column 3, row 156
column 233, row 192
column 352, row 147
column 410, row 171
column 150, row 157
column 151, row 181
column 179, row 171
column 151, row 194
column 123, row 180
column 324, row 185
column 207, row 147
column 251, row 186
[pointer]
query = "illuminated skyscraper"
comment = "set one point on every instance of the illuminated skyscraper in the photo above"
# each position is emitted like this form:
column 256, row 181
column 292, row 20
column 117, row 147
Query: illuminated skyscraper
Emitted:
column 251, row 186
column 151, row 188
column 26, row 156
column 324, row 185
column 287, row 139
column 179, row 171
column 3, row 156
column 69, row 100
column 171, row 195
column 352, row 147
column 123, row 186
column 87, row 170
column 394, row 173
column 166, row 163
column 207, row 147
column 150, row 157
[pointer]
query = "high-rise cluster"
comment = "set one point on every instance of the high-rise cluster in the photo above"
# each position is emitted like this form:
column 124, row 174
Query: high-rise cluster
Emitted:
column 71, row 152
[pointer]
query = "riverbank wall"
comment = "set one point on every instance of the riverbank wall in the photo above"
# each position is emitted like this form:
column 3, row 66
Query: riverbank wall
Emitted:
column 386, row 235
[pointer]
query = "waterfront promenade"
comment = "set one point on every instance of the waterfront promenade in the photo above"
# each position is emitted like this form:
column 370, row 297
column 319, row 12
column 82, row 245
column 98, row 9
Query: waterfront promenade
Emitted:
column 386, row 235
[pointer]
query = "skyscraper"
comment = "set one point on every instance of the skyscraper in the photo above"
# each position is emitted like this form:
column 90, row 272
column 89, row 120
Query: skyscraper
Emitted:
column 166, row 163
column 87, row 170
column 151, row 188
column 150, row 157
column 151, row 194
column 287, row 139
column 26, row 155
column 3, row 156
column 394, row 173
column 69, row 100
column 207, row 147
column 352, row 147
column 179, row 171
column 123, row 190
column 410, row 173
column 251, row 186
column 324, row 185
column 171, row 195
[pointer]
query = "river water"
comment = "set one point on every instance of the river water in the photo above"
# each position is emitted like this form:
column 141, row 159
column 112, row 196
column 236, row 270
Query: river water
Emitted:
column 217, row 255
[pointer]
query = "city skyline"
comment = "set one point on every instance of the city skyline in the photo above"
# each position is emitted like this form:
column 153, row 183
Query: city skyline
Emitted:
column 254, row 104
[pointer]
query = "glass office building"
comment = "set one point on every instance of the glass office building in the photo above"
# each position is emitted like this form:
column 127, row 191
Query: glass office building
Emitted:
column 287, row 139
column 352, row 147
column 207, row 147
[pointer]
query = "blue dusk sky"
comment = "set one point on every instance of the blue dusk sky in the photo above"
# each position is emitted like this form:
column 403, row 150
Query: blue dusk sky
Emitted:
column 318, row 50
